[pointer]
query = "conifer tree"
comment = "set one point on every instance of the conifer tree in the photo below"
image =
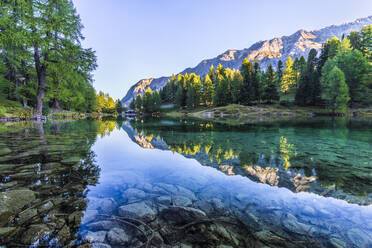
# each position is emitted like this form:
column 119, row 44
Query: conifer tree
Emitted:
column 270, row 89
column 247, row 92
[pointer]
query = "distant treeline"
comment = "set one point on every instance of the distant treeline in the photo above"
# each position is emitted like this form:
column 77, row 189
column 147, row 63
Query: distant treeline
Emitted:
column 42, row 62
column 340, row 76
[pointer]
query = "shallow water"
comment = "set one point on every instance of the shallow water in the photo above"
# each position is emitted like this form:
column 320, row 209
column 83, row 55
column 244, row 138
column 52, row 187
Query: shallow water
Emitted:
column 184, row 183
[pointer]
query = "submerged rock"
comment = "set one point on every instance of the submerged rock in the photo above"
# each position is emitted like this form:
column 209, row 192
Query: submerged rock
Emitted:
column 103, row 225
column 290, row 223
column 15, row 200
column 100, row 245
column 4, row 151
column 71, row 160
column 138, row 210
column 34, row 233
column 105, row 205
column 117, row 236
column 99, row 236
column 7, row 232
column 27, row 214
column 132, row 194
column 359, row 238
column 182, row 214
column 181, row 201
column 337, row 243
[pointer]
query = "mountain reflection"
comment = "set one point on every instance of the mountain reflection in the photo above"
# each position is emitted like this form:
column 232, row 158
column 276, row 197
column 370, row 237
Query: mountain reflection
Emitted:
column 318, row 157
column 45, row 171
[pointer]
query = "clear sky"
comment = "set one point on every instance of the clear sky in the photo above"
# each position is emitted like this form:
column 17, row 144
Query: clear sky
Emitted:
column 137, row 39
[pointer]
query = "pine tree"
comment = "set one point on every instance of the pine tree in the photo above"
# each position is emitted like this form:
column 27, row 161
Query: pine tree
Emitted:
column 236, row 85
column 270, row 89
column 256, row 84
column 279, row 72
column 220, row 90
column 247, row 92
column 309, row 90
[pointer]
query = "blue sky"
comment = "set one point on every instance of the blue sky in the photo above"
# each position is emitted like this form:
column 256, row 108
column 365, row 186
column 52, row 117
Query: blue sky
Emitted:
column 137, row 39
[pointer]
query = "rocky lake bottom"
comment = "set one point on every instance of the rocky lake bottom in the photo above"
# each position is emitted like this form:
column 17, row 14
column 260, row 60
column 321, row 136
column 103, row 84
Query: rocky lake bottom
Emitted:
column 166, row 183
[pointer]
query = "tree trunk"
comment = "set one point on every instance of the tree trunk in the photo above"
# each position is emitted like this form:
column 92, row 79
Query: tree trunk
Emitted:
column 41, row 77
column 24, row 100
column 56, row 104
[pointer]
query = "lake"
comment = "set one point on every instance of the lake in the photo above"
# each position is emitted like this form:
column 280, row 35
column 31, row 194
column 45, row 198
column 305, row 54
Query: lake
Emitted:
column 186, row 183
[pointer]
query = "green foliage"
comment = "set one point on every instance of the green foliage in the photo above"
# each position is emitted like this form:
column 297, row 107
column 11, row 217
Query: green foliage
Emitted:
column 105, row 104
column 270, row 90
column 355, row 67
column 150, row 102
column 300, row 80
column 207, row 90
column 247, row 92
column 335, row 90
column 308, row 92
column 41, row 56
column 46, row 108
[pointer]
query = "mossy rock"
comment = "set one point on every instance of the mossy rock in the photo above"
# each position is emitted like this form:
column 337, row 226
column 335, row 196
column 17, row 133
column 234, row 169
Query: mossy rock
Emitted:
column 5, row 151
column 71, row 160
column 7, row 232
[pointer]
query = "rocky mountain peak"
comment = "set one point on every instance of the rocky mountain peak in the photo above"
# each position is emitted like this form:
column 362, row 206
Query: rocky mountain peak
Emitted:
column 265, row 52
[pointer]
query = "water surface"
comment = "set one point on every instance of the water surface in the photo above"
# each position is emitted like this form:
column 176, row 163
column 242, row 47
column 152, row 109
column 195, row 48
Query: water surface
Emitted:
column 186, row 183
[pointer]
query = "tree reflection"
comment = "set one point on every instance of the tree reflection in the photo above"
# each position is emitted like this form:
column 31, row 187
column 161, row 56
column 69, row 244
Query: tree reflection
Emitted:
column 287, row 151
column 53, row 165
column 283, row 154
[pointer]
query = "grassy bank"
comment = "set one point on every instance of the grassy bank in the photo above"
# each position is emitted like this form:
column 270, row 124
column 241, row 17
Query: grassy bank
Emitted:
column 235, row 114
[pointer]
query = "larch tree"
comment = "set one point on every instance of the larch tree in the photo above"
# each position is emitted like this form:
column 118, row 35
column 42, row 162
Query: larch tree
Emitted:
column 289, row 77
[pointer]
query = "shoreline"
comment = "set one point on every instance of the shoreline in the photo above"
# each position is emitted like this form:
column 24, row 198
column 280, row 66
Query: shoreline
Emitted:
column 239, row 114
column 74, row 116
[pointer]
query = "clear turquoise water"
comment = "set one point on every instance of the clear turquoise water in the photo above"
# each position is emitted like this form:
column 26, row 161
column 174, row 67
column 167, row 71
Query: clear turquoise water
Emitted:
column 296, row 183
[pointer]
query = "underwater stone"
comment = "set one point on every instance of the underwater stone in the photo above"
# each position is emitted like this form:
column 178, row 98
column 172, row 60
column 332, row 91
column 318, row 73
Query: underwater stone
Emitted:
column 307, row 210
column 106, row 205
column 138, row 211
column 291, row 224
column 89, row 215
column 337, row 243
column 5, row 151
column 4, row 167
column 182, row 214
column 132, row 194
column 71, row 160
column 15, row 200
column 34, row 233
column 26, row 215
column 117, row 236
column 7, row 232
column 103, row 225
column 165, row 200
column 359, row 238
column 182, row 201
column 100, row 245
column 96, row 236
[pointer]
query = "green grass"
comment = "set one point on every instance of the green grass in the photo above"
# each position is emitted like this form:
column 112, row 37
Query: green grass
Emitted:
column 10, row 108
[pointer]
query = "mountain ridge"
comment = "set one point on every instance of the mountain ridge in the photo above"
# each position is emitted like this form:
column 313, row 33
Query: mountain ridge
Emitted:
column 264, row 51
